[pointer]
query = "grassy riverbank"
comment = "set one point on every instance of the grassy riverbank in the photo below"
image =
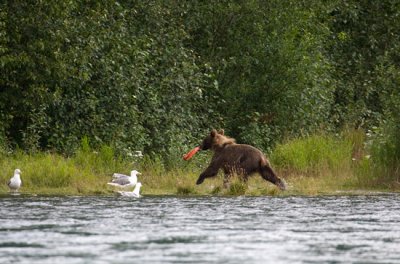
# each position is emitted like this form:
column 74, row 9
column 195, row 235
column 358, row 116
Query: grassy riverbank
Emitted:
column 315, row 165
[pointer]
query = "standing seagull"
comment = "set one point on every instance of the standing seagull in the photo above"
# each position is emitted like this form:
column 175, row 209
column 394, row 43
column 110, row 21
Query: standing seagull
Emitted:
column 134, row 193
column 121, row 180
column 15, row 182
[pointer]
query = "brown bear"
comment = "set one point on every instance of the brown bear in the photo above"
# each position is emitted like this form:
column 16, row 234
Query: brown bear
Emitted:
column 241, row 159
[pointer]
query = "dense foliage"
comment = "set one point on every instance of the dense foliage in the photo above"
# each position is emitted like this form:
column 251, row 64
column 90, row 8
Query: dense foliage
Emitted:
column 155, row 75
column 120, row 75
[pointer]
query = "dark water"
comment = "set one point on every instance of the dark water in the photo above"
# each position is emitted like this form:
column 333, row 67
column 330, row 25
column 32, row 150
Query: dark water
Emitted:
column 344, row 229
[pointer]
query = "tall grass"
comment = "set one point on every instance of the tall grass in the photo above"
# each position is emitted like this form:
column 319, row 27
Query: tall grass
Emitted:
column 382, row 169
column 53, row 173
column 312, row 165
column 87, row 172
column 322, row 163
column 314, row 155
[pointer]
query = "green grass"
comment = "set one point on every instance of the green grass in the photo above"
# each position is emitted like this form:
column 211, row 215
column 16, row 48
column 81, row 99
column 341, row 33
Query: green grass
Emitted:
column 320, row 164
column 314, row 155
column 52, row 173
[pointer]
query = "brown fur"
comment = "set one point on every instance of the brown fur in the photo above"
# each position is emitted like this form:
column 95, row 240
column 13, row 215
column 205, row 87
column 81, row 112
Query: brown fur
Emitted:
column 241, row 159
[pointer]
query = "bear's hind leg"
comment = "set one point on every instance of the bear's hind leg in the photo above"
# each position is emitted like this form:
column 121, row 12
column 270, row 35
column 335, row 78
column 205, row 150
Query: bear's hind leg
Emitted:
column 268, row 174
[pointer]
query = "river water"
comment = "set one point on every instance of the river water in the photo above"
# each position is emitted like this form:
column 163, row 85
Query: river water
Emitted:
column 325, row 229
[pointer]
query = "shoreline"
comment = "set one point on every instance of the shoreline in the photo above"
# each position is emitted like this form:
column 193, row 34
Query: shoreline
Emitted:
column 270, row 191
column 335, row 194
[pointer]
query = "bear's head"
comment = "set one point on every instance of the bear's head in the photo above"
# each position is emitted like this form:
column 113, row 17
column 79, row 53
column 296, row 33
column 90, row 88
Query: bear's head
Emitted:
column 216, row 139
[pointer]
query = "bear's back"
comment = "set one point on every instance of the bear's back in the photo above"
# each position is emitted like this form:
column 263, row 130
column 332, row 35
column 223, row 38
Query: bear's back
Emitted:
column 240, row 154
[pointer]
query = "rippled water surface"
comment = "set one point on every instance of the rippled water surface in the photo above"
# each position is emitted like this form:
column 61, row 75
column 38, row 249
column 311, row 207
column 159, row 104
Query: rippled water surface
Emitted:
column 327, row 229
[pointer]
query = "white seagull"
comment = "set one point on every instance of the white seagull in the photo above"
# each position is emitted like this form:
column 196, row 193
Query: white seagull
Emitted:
column 15, row 182
column 134, row 193
column 122, row 180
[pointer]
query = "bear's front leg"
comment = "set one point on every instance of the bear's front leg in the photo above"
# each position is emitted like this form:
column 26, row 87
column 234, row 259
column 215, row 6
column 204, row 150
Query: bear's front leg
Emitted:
column 211, row 171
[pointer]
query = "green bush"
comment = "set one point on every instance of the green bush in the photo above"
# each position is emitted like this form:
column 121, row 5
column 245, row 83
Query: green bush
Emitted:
column 154, row 77
column 120, row 74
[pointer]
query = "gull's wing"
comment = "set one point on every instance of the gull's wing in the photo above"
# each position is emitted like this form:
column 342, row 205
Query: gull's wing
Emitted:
column 121, row 180
column 119, row 175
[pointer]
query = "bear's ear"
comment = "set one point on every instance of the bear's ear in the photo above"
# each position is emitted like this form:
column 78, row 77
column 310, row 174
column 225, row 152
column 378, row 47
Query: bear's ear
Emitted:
column 221, row 131
column 213, row 133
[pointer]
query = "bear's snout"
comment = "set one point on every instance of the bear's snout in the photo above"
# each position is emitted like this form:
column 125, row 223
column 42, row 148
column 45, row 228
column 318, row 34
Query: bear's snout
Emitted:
column 203, row 147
